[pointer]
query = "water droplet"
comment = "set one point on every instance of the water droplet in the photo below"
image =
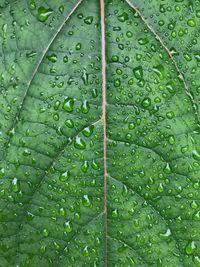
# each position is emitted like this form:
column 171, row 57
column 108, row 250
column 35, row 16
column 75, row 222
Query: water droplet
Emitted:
column 88, row 131
column 84, row 77
column 166, row 235
column 44, row 13
column 31, row 54
column 62, row 212
column 196, row 155
column 79, row 143
column 196, row 216
column 85, row 107
column 146, row 102
column 68, row 104
column 167, row 169
column 45, row 232
column 191, row 23
column 15, row 185
column 138, row 72
column 32, row 5
column 194, row 204
column 143, row 41
column 67, row 227
column 115, row 213
column 78, row 46
column 85, row 166
column 88, row 20
column 115, row 58
column 196, row 260
column 61, row 9
column 131, row 125
column 190, row 247
column 124, row 191
column 52, row 58
column 159, row 70
column 69, row 123
column 86, row 201
column 123, row 17
column 64, row 176
column 29, row 216
column 160, row 188
column 65, row 59
column 171, row 140
column 171, row 87
column 86, row 251
column 170, row 115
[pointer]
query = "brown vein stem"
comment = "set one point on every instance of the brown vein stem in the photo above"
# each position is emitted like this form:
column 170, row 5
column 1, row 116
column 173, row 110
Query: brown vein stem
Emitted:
column 195, row 107
column 103, row 49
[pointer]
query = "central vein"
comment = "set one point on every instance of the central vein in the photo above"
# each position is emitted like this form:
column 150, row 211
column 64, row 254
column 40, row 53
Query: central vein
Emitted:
column 103, row 49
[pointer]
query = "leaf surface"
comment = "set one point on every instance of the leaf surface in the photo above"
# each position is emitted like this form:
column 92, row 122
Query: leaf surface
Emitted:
column 99, row 166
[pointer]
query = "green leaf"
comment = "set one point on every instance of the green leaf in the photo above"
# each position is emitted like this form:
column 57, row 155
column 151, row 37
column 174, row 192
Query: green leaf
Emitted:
column 99, row 133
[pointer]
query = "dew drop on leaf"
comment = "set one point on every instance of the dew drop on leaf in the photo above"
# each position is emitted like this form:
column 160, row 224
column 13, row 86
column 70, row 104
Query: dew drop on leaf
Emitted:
column 79, row 143
column 68, row 104
column 64, row 176
column 67, row 227
column 15, row 185
column 44, row 13
column 85, row 107
column 190, row 247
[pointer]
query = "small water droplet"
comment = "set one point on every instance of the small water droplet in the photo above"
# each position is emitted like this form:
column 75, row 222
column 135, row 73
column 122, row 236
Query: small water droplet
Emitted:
column 88, row 20
column 15, row 185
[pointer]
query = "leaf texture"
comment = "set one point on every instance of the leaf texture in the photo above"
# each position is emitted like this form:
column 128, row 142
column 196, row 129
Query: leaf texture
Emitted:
column 99, row 126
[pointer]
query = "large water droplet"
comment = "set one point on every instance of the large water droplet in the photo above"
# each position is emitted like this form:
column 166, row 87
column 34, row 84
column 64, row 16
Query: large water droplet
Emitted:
column 86, row 201
column 159, row 70
column 84, row 77
column 85, row 107
column 68, row 104
column 64, row 176
column 190, row 247
column 67, row 227
column 166, row 235
column 79, row 143
column 44, row 13
column 123, row 17
column 138, row 72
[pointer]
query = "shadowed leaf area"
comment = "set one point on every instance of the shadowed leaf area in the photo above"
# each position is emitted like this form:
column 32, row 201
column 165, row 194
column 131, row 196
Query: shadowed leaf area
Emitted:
column 52, row 174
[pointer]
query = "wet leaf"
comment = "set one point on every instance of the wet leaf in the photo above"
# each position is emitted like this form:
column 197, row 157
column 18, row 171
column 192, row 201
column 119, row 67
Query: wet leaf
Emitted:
column 99, row 166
